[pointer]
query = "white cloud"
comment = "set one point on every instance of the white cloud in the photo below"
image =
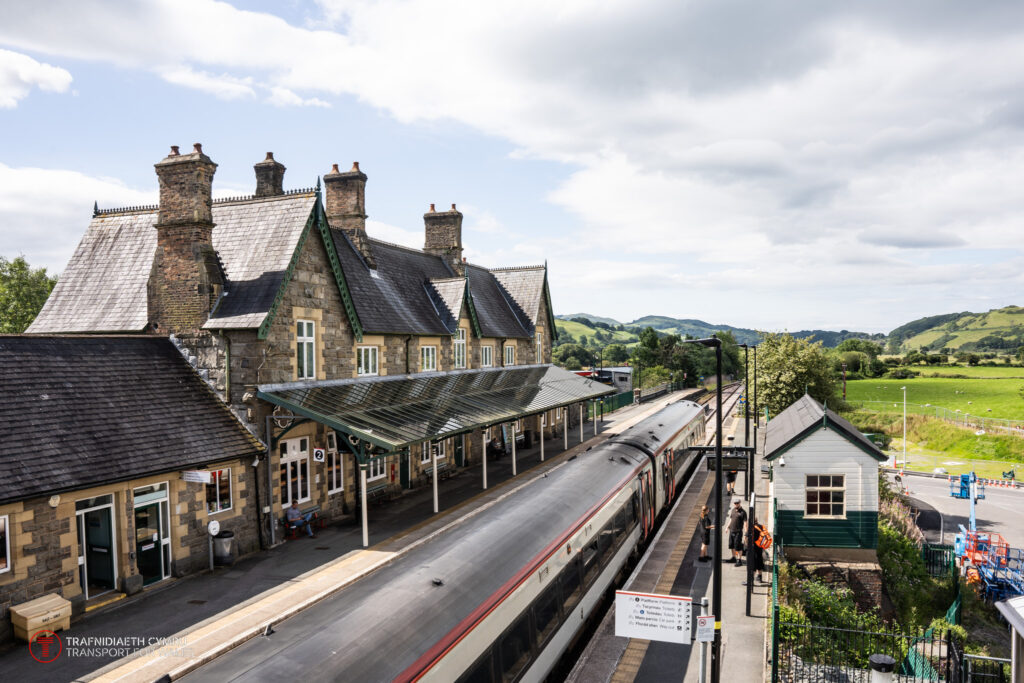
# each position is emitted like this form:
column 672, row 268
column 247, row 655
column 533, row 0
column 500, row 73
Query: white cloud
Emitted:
column 283, row 97
column 20, row 73
column 223, row 86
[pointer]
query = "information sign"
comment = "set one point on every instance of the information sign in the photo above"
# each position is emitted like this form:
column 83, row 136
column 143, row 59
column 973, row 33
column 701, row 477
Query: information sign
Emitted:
column 318, row 454
column 200, row 476
column 652, row 617
column 705, row 628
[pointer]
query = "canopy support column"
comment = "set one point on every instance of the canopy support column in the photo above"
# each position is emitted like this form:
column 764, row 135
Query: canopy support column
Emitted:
column 513, row 430
column 362, row 490
column 581, row 422
column 594, row 405
column 540, row 430
column 433, row 464
column 483, row 451
column 565, row 427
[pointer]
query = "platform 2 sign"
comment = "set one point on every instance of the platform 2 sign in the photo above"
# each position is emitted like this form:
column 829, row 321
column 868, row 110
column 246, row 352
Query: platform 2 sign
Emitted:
column 652, row 617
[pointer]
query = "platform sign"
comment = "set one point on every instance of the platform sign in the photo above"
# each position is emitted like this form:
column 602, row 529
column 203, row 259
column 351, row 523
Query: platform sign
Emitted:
column 705, row 629
column 652, row 617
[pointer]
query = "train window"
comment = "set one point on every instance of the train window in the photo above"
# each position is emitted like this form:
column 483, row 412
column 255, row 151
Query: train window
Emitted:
column 482, row 670
column 514, row 648
column 591, row 561
column 621, row 524
column 545, row 614
column 572, row 588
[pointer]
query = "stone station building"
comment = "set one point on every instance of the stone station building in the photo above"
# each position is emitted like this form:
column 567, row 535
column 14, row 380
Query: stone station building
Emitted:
column 285, row 291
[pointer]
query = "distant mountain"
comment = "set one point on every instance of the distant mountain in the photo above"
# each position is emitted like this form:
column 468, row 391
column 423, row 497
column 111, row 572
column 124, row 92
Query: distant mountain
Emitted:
column 1000, row 329
column 695, row 328
column 591, row 317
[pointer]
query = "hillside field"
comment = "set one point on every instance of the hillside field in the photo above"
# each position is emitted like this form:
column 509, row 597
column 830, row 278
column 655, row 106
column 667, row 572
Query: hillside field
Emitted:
column 576, row 329
column 977, row 371
column 977, row 396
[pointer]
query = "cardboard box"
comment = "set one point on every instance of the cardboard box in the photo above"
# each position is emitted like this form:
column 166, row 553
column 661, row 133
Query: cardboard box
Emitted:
column 49, row 612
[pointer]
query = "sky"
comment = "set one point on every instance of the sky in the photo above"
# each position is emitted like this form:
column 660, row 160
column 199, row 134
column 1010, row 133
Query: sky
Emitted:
column 780, row 166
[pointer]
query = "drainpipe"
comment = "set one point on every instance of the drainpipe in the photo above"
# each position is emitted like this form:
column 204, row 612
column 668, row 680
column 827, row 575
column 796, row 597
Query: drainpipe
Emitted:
column 407, row 340
column 270, row 485
column 501, row 350
column 227, row 367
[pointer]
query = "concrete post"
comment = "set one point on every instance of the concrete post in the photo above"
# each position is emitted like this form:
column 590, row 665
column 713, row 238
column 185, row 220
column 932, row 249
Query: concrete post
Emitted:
column 433, row 464
column 581, row 423
column 483, row 451
column 362, row 492
column 540, row 422
column 565, row 428
column 513, row 430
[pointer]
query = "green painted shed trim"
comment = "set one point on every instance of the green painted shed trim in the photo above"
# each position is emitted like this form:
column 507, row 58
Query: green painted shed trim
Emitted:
column 467, row 300
column 339, row 274
column 858, row 530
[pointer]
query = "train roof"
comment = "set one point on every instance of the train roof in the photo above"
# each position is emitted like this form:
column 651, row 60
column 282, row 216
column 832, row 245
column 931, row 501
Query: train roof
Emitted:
column 650, row 435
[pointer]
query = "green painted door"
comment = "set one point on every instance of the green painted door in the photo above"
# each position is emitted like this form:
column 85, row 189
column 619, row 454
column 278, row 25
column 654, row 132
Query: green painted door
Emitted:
column 403, row 473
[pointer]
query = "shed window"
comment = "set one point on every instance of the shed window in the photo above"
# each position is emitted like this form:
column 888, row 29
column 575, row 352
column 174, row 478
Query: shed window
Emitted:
column 5, row 545
column 825, row 495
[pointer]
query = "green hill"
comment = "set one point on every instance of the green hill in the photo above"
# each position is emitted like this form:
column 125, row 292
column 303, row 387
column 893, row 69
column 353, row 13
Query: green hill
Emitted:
column 590, row 316
column 576, row 329
column 1001, row 329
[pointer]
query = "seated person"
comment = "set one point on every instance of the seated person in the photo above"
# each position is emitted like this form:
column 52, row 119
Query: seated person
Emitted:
column 296, row 520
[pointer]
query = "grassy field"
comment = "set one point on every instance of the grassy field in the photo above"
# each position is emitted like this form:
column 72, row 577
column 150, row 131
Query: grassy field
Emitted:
column 576, row 329
column 978, row 371
column 983, row 397
column 921, row 459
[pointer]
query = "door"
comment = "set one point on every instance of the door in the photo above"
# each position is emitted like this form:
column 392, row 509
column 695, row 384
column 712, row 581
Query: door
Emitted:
column 148, row 546
column 460, row 451
column 403, row 473
column 96, row 551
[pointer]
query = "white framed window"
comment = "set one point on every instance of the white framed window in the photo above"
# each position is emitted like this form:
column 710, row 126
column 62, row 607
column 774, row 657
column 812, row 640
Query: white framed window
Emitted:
column 305, row 349
column 486, row 356
column 218, row 491
column 335, row 465
column 5, row 544
column 540, row 347
column 377, row 468
column 510, row 355
column 366, row 357
column 825, row 495
column 459, row 353
column 428, row 358
column 432, row 445
column 294, row 471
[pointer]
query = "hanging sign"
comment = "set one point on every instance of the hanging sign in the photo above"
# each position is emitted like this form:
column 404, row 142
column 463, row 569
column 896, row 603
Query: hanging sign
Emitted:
column 200, row 476
column 652, row 617
column 705, row 629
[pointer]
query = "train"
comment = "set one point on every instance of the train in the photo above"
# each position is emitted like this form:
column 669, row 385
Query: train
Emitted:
column 505, row 592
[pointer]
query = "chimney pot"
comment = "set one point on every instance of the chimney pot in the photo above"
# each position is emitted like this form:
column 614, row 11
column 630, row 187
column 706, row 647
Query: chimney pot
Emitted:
column 355, row 166
column 463, row 259
column 453, row 207
column 174, row 150
column 443, row 237
column 334, row 168
column 345, row 206
column 270, row 156
column 269, row 177
column 197, row 147
column 431, row 208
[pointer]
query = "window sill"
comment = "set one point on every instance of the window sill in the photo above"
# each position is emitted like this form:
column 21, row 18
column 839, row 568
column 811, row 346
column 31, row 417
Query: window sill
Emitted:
column 825, row 517
column 211, row 514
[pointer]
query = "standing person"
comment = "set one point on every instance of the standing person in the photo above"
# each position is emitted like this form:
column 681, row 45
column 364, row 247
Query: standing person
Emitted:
column 730, row 482
column 758, row 549
column 705, row 526
column 737, row 525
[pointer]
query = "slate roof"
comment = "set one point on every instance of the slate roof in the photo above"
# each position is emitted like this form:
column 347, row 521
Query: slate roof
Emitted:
column 497, row 311
column 71, row 420
column 103, row 287
column 525, row 285
column 805, row 415
column 448, row 295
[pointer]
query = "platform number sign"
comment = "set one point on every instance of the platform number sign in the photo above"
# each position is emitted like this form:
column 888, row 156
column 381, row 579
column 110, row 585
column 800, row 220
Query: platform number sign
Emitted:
column 653, row 617
column 318, row 454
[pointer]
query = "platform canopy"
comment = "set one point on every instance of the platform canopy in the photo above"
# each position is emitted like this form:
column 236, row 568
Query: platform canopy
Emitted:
column 397, row 411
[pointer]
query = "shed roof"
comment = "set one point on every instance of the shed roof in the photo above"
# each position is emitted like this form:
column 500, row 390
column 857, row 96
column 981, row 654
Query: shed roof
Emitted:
column 805, row 415
column 103, row 287
column 1013, row 611
column 399, row 410
column 84, row 411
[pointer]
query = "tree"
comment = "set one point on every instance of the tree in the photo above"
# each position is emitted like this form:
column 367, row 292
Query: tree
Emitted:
column 787, row 368
column 616, row 353
column 23, row 291
column 572, row 356
column 863, row 345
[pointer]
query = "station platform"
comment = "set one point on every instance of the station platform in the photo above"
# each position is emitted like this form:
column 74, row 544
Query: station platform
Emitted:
column 206, row 614
column 670, row 567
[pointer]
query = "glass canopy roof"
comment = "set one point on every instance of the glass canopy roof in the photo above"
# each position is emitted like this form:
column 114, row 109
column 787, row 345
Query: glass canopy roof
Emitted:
column 397, row 411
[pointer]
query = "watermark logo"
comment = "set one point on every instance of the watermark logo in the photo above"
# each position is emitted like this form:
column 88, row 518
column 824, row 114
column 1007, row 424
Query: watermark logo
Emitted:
column 45, row 646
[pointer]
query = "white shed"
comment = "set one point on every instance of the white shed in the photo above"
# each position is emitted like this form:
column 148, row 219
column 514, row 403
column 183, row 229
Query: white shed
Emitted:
column 824, row 482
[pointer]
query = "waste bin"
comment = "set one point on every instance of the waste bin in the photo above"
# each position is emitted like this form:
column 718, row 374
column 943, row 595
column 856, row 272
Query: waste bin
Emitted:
column 223, row 552
column 528, row 438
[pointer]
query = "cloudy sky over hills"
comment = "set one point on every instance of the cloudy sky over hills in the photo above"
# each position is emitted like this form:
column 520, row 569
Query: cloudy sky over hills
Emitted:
column 781, row 165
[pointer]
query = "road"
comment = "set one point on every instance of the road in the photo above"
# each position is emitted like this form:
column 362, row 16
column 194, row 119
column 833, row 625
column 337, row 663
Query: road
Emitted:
column 1002, row 510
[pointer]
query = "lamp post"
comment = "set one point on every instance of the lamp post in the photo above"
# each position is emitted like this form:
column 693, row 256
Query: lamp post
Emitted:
column 716, row 585
column 904, row 426
column 746, row 395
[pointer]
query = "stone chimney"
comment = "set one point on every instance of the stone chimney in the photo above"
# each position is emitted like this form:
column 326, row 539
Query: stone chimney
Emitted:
column 345, row 205
column 269, row 177
column 186, row 278
column 444, row 237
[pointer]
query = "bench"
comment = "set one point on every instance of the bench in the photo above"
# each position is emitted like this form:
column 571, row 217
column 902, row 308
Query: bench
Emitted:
column 442, row 472
column 375, row 492
column 316, row 521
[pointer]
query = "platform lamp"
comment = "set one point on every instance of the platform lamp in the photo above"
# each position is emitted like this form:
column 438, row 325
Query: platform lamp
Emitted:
column 716, row 585
column 748, row 487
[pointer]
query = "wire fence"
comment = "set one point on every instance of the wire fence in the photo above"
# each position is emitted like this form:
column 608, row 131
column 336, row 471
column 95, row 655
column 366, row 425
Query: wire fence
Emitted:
column 956, row 417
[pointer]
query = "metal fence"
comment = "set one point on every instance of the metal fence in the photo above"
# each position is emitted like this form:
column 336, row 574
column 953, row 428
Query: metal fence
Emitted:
column 956, row 417
column 939, row 560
